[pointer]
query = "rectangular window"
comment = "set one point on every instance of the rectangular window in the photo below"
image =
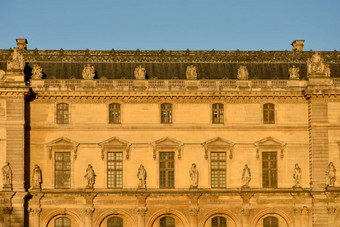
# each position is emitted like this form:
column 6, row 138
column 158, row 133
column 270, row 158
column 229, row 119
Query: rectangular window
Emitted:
column 114, row 169
column 269, row 169
column 62, row 113
column 217, row 113
column 218, row 169
column 62, row 170
column 268, row 113
column 166, row 113
column 166, row 169
column 114, row 112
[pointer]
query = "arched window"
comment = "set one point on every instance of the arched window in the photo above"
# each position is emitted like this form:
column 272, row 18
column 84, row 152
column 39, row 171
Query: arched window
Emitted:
column 270, row 221
column 62, row 222
column 115, row 222
column 218, row 221
column 268, row 113
column 114, row 113
column 166, row 113
column 62, row 113
column 217, row 113
column 167, row 222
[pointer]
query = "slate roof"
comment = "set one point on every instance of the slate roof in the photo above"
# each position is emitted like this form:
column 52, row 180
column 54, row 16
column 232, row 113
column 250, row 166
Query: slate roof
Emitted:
column 112, row 64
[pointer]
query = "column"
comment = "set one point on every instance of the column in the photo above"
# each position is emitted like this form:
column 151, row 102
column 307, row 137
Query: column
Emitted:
column 6, row 216
column 297, row 216
column 141, row 211
column 87, row 213
column 331, row 215
column 34, row 220
column 193, row 211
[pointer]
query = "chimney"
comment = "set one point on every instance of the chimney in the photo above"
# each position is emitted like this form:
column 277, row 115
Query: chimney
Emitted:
column 21, row 44
column 297, row 45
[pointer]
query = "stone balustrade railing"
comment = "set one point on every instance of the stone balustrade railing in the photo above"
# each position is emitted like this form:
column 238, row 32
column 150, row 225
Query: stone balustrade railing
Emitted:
column 172, row 85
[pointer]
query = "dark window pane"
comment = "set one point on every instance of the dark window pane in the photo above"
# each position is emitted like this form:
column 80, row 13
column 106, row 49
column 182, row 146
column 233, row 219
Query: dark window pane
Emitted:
column 268, row 113
column 114, row 169
column 269, row 169
column 167, row 222
column 62, row 170
column 217, row 113
column 115, row 222
column 62, row 113
column 166, row 170
column 218, row 222
column 62, row 222
column 270, row 222
column 166, row 113
column 114, row 113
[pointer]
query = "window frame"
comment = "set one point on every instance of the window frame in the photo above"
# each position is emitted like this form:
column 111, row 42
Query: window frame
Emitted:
column 166, row 169
column 107, row 169
column 70, row 221
column 113, row 120
column 270, row 184
column 219, row 217
column 271, row 218
column 220, row 113
column 60, row 112
column 166, row 110
column 268, row 113
column 115, row 217
column 211, row 169
column 166, row 218
column 55, row 169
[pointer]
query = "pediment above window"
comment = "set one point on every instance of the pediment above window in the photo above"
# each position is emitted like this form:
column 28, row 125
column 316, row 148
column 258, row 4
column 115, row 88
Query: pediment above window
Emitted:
column 269, row 143
column 115, row 143
column 167, row 143
column 63, row 144
column 218, row 143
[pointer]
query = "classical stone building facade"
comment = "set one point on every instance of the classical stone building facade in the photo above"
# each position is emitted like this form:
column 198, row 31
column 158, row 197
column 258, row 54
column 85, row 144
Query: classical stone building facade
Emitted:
column 169, row 138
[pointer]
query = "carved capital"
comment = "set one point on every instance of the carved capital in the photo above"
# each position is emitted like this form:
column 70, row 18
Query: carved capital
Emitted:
column 6, row 210
column 246, row 210
column 87, row 211
column 34, row 211
column 142, row 210
column 193, row 211
column 331, row 209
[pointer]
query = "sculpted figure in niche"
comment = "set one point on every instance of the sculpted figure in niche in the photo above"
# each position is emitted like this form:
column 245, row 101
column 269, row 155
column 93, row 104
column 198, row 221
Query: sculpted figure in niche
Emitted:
column 36, row 72
column 327, row 70
column 16, row 61
column 88, row 72
column 90, row 176
column 246, row 176
column 242, row 73
column 315, row 65
column 297, row 176
column 294, row 73
column 140, row 73
column 191, row 73
column 7, row 175
column 36, row 179
column 193, row 172
column 141, row 175
column 330, row 175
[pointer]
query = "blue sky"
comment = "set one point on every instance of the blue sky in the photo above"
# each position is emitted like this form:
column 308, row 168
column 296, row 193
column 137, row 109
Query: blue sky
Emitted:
column 171, row 24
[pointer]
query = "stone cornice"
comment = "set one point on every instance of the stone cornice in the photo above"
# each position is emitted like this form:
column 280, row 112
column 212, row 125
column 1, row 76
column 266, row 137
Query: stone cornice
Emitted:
column 14, row 91
column 154, row 56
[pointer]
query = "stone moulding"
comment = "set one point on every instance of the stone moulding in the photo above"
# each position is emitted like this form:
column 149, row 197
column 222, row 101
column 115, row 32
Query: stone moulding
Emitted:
column 115, row 143
column 167, row 143
column 64, row 144
column 269, row 143
column 218, row 143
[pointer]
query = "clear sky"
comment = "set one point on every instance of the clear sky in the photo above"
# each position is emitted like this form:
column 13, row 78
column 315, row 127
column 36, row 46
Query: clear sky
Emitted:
column 170, row 24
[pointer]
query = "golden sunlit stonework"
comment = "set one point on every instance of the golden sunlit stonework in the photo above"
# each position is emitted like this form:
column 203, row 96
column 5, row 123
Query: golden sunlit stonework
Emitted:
column 169, row 138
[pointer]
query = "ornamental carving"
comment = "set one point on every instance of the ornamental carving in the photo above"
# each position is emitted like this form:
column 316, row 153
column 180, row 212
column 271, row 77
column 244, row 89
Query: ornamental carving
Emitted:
column 7, row 176
column 141, row 175
column 36, row 72
column 16, row 61
column 140, row 73
column 246, row 177
column 297, row 176
column 36, row 179
column 88, row 72
column 193, row 172
column 242, row 73
column 142, row 210
column 298, row 45
column 316, row 67
column 191, row 73
column 330, row 175
column 294, row 73
column 2, row 74
column 34, row 211
column 90, row 176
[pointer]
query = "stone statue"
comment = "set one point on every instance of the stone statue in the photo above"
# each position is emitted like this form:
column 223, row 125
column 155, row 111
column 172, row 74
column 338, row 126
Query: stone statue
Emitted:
column 36, row 72
column 36, row 179
column 88, row 72
column 246, row 176
column 242, row 73
column 16, row 61
column 297, row 176
column 141, row 175
column 140, row 73
column 90, row 176
column 330, row 175
column 327, row 70
column 315, row 65
column 7, row 176
column 193, row 172
column 2, row 74
column 191, row 73
column 294, row 73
